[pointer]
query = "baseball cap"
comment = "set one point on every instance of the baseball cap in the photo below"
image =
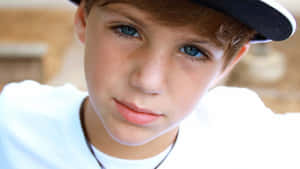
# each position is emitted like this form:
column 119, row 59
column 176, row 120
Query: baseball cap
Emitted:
column 269, row 19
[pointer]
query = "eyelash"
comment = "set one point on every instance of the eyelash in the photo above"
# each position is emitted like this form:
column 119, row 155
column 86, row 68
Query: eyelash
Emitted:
column 117, row 30
column 203, row 58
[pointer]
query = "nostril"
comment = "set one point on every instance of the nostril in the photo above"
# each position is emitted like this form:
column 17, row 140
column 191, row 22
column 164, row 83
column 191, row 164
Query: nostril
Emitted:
column 154, row 93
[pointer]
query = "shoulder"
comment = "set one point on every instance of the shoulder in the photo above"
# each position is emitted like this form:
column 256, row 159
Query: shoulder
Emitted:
column 240, row 126
column 32, row 115
column 28, row 102
column 244, row 106
column 234, row 96
column 32, row 90
column 233, row 102
column 33, row 97
column 229, row 106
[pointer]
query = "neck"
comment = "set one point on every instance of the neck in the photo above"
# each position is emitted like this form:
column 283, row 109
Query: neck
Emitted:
column 106, row 144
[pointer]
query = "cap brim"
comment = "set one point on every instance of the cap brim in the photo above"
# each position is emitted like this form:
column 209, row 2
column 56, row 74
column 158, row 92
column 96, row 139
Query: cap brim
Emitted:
column 75, row 1
column 270, row 20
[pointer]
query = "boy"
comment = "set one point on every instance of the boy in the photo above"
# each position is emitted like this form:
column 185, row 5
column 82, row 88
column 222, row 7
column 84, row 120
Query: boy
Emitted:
column 149, row 66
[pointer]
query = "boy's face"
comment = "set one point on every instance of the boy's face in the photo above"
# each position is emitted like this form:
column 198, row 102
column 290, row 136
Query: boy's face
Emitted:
column 129, row 57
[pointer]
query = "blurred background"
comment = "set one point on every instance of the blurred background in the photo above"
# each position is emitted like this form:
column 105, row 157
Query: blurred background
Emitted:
column 37, row 42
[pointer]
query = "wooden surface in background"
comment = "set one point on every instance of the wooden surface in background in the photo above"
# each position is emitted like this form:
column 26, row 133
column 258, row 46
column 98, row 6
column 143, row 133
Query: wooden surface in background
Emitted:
column 19, row 69
column 284, row 95
column 50, row 26
column 1, row 87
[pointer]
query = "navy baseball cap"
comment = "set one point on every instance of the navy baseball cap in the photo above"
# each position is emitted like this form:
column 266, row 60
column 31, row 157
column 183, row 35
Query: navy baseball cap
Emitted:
column 269, row 19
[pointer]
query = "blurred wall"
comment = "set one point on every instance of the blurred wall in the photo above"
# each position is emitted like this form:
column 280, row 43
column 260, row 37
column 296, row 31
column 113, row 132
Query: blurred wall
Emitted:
column 36, row 4
column 293, row 5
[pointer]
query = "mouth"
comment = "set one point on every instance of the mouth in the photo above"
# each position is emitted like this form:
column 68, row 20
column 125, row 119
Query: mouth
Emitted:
column 136, row 115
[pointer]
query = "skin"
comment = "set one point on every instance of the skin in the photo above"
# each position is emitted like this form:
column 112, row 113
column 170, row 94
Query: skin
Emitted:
column 148, row 69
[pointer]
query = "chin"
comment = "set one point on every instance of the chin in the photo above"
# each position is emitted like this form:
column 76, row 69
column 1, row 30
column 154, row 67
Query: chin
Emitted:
column 125, row 133
column 135, row 136
column 130, row 141
column 130, row 137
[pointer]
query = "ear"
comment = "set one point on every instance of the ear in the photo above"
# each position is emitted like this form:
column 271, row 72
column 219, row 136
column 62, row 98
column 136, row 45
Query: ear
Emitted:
column 80, row 23
column 232, row 63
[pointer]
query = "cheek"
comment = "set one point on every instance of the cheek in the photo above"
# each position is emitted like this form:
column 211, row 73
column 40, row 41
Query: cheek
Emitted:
column 191, row 84
column 106, row 54
column 103, row 61
column 97, row 66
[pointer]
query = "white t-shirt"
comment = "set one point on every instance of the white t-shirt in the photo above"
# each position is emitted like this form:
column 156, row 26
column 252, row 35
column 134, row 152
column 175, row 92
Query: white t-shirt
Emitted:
column 117, row 163
column 230, row 128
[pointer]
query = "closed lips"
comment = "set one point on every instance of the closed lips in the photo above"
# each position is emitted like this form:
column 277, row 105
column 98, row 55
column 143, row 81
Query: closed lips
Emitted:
column 134, row 108
column 136, row 115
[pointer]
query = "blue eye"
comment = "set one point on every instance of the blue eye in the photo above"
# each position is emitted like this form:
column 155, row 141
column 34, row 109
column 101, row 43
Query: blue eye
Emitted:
column 192, row 51
column 127, row 30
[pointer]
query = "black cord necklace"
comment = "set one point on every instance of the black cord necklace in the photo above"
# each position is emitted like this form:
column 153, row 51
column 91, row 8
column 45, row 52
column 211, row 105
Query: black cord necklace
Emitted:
column 87, row 140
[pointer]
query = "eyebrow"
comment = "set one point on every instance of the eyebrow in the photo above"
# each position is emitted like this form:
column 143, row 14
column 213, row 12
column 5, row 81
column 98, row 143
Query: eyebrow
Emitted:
column 206, row 40
column 121, row 13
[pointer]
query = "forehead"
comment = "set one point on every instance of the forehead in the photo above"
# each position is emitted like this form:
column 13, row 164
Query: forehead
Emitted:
column 177, row 13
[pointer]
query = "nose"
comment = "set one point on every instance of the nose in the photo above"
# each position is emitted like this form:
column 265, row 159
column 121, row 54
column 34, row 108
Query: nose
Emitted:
column 148, row 73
